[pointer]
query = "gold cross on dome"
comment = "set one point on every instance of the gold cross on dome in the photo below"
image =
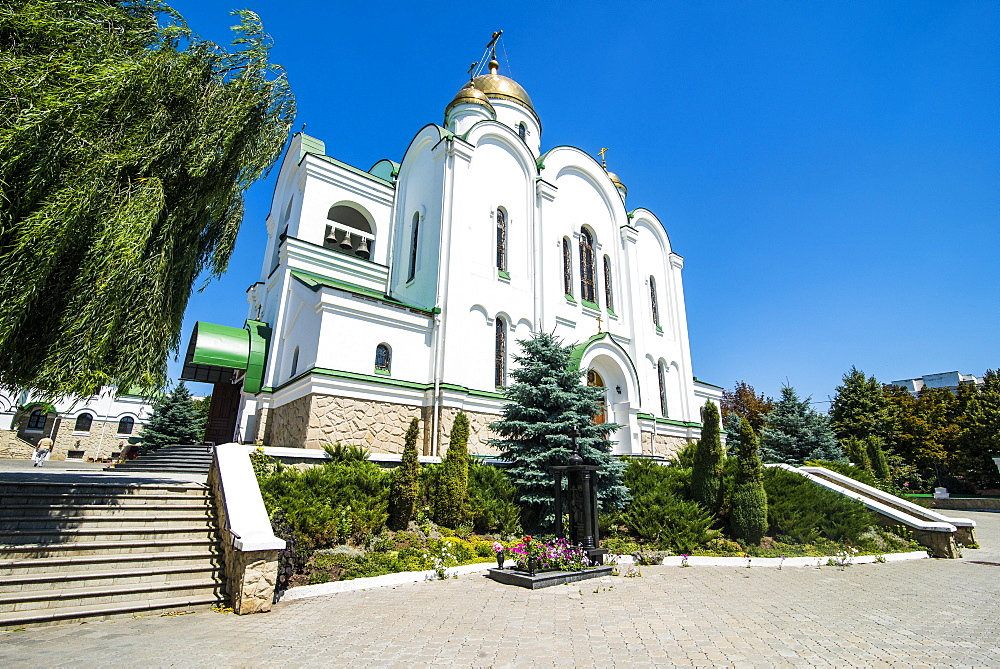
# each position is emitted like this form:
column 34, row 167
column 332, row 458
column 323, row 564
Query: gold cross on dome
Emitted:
column 604, row 163
column 598, row 325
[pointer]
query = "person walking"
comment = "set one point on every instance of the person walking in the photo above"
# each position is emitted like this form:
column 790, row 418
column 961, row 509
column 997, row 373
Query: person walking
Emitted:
column 42, row 450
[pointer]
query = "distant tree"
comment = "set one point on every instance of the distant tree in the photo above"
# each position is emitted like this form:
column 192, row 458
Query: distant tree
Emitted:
column 860, row 408
column 452, row 500
column 404, row 492
column 979, row 436
column 546, row 405
column 203, row 407
column 878, row 464
column 796, row 432
column 707, row 472
column 748, row 506
column 746, row 403
column 126, row 143
column 175, row 420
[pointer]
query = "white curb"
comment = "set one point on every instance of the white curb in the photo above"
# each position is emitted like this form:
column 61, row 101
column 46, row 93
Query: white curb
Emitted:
column 709, row 561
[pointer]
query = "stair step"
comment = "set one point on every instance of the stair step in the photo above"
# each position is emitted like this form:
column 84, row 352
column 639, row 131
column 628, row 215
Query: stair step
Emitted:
column 101, row 611
column 69, row 536
column 99, row 489
column 79, row 563
column 43, row 583
column 105, row 594
column 103, row 520
column 77, row 500
column 11, row 511
column 93, row 548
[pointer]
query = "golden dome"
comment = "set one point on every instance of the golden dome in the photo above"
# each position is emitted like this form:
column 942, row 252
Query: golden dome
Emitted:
column 468, row 94
column 495, row 85
column 617, row 182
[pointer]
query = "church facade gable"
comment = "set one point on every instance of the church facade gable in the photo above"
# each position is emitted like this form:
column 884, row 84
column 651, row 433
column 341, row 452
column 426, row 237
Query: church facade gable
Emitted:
column 401, row 293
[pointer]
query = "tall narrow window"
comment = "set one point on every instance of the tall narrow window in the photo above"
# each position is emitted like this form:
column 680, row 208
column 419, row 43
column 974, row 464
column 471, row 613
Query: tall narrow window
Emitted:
column 126, row 424
column 501, row 240
column 567, row 268
column 414, row 237
column 609, row 299
column 522, row 131
column 383, row 359
column 501, row 353
column 295, row 362
column 36, row 421
column 652, row 301
column 660, row 373
column 83, row 423
column 587, row 266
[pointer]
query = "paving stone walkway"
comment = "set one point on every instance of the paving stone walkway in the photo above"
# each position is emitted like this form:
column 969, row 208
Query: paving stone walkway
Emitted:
column 920, row 613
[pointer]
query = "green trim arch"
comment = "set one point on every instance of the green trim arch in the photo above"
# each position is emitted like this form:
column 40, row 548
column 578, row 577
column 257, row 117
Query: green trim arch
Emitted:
column 576, row 357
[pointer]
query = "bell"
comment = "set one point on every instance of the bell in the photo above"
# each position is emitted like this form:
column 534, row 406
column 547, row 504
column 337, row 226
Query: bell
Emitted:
column 345, row 241
column 330, row 238
column 362, row 251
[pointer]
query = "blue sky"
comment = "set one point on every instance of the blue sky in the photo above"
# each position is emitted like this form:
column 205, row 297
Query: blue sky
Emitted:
column 829, row 171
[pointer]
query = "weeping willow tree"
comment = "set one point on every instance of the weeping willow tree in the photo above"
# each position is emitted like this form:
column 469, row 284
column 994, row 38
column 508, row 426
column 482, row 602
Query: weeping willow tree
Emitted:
column 126, row 143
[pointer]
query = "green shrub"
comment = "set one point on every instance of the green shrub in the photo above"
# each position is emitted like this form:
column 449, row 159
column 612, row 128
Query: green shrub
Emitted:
column 451, row 501
column 405, row 490
column 491, row 501
column 340, row 453
column 862, row 475
column 803, row 512
column 667, row 521
column 707, row 470
column 748, row 504
column 645, row 476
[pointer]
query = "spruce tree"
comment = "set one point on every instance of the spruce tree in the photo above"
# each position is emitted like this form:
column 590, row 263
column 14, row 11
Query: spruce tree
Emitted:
column 879, row 465
column 748, row 507
column 795, row 433
column 547, row 405
column 860, row 408
column 175, row 420
column 404, row 493
column 707, row 472
column 452, row 499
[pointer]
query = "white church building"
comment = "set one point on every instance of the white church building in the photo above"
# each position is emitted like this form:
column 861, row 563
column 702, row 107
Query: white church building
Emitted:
column 401, row 291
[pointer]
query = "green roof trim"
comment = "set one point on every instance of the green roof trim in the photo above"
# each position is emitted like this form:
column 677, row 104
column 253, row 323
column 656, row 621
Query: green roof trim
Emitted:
column 382, row 380
column 312, row 145
column 214, row 351
column 667, row 421
column 316, row 281
column 351, row 168
column 706, row 383
column 590, row 305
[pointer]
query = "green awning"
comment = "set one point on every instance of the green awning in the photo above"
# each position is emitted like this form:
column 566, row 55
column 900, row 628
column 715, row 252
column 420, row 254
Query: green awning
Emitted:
column 216, row 352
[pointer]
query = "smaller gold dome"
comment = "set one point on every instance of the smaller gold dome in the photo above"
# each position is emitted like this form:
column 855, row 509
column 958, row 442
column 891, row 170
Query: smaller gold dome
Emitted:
column 617, row 182
column 469, row 94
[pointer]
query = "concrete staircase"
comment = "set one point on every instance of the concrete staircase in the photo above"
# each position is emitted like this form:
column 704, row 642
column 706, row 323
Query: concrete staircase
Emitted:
column 178, row 458
column 102, row 547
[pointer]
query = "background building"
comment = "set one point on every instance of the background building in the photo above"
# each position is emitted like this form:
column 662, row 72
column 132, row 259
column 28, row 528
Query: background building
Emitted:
column 89, row 428
column 949, row 380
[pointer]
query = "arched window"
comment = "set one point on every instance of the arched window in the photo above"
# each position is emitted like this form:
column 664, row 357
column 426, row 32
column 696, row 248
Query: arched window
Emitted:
column 36, row 421
column 587, row 266
column 83, row 423
column 126, row 424
column 594, row 380
column 522, row 131
column 652, row 302
column 501, row 240
column 609, row 298
column 383, row 359
column 501, row 353
column 660, row 374
column 567, row 268
column 349, row 232
column 295, row 362
column 414, row 237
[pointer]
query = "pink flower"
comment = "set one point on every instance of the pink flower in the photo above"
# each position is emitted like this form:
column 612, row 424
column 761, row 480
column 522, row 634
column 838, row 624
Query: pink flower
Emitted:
column 497, row 547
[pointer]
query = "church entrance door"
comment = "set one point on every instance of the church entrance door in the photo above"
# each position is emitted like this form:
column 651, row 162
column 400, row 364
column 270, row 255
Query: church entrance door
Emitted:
column 595, row 380
column 222, row 415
